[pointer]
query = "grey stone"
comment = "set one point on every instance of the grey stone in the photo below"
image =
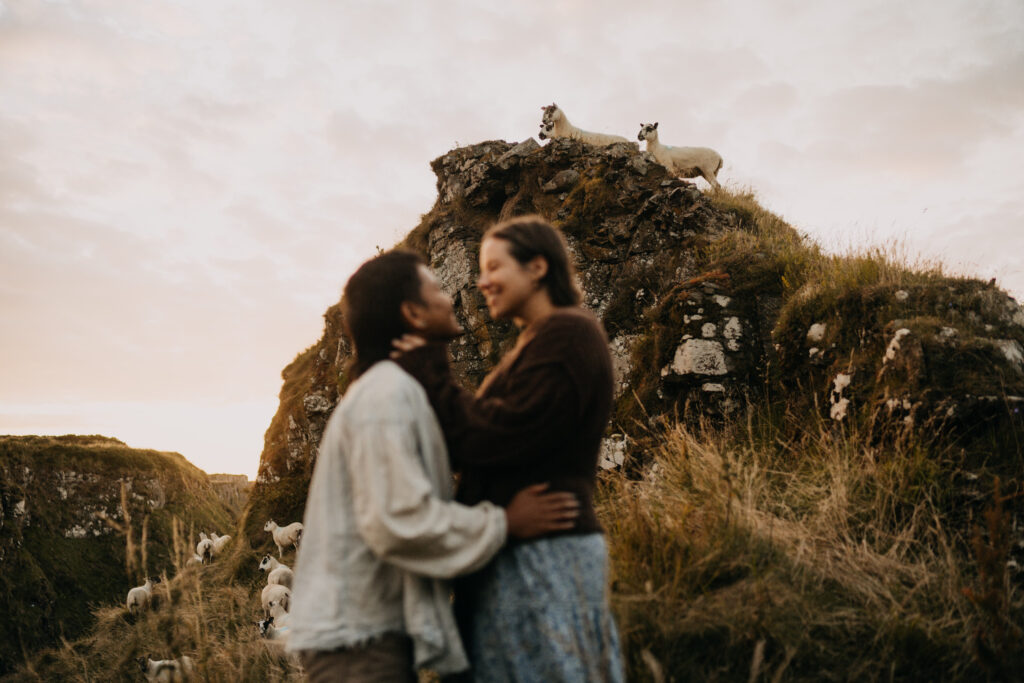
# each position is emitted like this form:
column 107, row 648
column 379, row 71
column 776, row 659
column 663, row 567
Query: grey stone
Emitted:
column 562, row 180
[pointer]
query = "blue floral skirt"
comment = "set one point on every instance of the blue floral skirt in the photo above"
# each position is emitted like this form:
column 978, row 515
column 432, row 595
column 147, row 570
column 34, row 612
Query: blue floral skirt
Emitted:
column 539, row 612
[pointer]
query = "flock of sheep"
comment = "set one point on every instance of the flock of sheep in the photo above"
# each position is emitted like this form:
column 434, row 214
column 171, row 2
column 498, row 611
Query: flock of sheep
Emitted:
column 683, row 162
column 275, row 597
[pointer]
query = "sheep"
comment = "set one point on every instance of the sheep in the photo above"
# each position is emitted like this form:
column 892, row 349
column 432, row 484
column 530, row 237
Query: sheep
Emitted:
column 271, row 631
column 277, row 573
column 167, row 670
column 278, row 609
column 556, row 125
column 275, row 592
column 684, row 162
column 218, row 543
column 279, row 617
column 204, row 549
column 284, row 535
column 139, row 596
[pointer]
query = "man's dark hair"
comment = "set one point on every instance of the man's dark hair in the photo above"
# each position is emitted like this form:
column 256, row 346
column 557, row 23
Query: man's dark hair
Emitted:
column 372, row 303
column 532, row 236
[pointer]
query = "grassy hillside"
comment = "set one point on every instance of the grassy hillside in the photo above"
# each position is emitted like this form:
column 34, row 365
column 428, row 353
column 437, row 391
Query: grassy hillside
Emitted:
column 85, row 519
column 773, row 549
column 206, row 612
column 778, row 550
column 847, row 508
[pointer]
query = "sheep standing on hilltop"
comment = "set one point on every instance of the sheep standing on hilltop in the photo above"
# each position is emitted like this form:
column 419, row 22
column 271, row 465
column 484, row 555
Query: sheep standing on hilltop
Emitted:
column 683, row 162
column 139, row 596
column 554, row 124
column 284, row 536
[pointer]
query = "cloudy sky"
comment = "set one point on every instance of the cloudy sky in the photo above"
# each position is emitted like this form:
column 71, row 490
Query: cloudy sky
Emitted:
column 185, row 186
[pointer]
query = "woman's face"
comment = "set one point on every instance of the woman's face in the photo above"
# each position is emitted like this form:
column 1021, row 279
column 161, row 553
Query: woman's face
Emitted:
column 505, row 283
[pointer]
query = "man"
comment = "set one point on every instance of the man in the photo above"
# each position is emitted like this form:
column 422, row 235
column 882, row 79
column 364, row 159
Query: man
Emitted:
column 381, row 531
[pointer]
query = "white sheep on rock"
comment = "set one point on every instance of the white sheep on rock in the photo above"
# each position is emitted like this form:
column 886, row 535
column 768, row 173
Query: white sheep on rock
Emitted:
column 277, row 573
column 139, row 596
column 276, row 593
column 683, row 162
column 285, row 536
column 167, row 670
column 556, row 125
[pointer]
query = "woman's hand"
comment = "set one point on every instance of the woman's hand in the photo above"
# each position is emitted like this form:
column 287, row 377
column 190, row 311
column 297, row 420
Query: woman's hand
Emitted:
column 535, row 513
column 407, row 343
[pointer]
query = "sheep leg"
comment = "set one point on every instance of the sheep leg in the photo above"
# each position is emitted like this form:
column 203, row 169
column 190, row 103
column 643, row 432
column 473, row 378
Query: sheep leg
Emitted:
column 712, row 180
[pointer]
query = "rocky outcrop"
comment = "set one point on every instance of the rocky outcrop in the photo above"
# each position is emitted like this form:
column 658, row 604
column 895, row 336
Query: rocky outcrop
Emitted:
column 710, row 302
column 67, row 507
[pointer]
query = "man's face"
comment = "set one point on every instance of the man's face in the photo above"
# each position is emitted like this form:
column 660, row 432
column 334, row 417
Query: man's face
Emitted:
column 434, row 318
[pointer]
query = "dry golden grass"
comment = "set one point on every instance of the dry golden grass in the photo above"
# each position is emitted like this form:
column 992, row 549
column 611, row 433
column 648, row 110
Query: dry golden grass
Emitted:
column 743, row 555
column 798, row 266
column 205, row 612
column 758, row 552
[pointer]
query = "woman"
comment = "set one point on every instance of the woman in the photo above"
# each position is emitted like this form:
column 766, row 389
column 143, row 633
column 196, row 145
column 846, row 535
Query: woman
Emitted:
column 539, row 611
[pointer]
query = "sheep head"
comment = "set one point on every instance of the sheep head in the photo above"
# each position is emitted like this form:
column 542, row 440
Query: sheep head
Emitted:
column 551, row 113
column 270, row 526
column 648, row 131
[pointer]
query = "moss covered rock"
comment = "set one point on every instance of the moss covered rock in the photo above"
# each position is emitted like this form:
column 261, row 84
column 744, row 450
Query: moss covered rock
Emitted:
column 708, row 301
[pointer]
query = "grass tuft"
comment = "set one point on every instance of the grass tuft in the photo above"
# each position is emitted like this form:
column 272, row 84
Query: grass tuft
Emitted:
column 746, row 554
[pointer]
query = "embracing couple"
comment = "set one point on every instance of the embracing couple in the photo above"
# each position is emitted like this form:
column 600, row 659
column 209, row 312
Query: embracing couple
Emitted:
column 384, row 530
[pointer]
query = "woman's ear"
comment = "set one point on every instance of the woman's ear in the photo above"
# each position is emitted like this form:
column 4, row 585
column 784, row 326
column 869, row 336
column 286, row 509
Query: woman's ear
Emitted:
column 538, row 267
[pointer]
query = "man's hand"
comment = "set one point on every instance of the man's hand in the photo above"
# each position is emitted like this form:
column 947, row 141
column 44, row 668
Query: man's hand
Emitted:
column 406, row 343
column 534, row 513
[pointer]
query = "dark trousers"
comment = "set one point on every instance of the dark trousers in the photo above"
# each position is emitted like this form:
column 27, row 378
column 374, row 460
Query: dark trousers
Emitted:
column 387, row 659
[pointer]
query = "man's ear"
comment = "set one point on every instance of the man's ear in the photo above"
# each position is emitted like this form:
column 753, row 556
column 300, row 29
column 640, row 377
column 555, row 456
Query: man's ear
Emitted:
column 411, row 315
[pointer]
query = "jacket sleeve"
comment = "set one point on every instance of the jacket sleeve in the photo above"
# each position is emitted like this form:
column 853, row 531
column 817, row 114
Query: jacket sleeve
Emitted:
column 540, row 408
column 401, row 517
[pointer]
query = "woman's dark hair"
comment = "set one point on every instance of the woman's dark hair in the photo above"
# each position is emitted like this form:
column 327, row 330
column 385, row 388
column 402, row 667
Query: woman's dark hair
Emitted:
column 532, row 236
column 372, row 303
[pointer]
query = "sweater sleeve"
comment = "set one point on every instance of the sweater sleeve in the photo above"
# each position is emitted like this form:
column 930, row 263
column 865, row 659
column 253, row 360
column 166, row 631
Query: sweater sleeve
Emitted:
column 540, row 406
column 400, row 516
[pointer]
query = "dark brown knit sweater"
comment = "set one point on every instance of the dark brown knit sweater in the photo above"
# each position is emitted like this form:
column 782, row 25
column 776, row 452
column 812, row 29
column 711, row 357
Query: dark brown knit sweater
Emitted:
column 538, row 417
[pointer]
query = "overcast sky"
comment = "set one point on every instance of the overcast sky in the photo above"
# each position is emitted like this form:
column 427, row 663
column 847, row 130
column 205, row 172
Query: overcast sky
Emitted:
column 185, row 186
